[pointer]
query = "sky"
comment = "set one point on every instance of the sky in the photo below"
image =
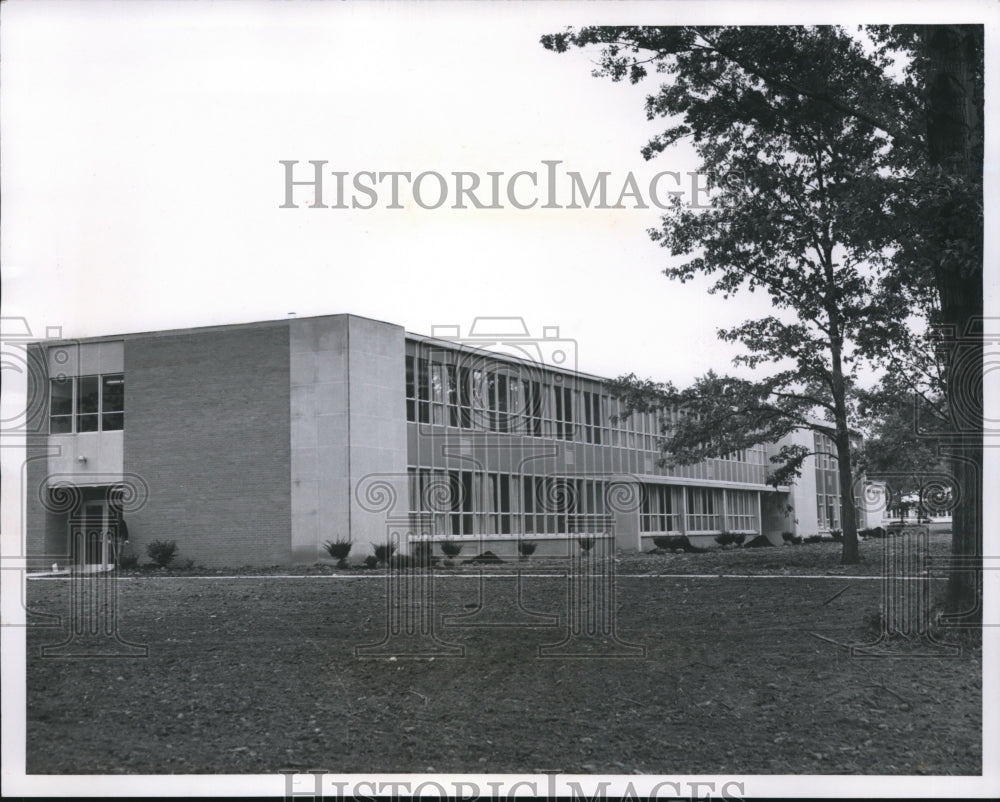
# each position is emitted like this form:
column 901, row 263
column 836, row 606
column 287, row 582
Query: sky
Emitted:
column 142, row 147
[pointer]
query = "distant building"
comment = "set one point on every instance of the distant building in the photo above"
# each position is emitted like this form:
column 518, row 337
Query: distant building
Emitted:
column 255, row 444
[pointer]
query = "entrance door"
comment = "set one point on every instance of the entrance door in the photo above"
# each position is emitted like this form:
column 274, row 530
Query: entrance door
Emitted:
column 89, row 534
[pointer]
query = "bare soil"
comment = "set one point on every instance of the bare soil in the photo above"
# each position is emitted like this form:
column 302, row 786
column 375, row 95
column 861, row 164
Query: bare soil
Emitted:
column 735, row 674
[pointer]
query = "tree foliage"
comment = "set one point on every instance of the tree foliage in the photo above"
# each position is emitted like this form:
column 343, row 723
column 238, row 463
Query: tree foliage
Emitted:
column 755, row 103
column 901, row 194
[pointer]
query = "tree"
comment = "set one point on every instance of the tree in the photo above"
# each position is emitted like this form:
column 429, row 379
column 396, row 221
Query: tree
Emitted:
column 923, row 208
column 939, row 218
column 804, row 176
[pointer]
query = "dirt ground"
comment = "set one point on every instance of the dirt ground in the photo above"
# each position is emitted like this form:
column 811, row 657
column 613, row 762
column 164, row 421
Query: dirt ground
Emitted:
column 712, row 674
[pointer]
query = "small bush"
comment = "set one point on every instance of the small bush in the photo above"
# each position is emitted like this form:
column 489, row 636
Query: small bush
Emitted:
column 526, row 547
column 371, row 561
column 676, row 542
column 837, row 534
column 128, row 560
column 586, row 543
column 877, row 531
column 738, row 539
column 451, row 548
column 162, row 552
column 813, row 539
column 338, row 550
column 384, row 551
column 487, row 557
column 788, row 537
column 730, row 538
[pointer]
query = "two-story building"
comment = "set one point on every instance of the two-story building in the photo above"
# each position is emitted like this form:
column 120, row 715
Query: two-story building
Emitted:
column 255, row 444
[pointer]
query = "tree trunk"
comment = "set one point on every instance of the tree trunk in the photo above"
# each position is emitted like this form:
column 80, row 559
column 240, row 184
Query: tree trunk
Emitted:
column 954, row 138
column 848, row 512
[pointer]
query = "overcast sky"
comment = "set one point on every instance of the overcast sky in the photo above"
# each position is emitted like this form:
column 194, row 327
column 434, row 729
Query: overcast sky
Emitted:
column 142, row 184
column 141, row 150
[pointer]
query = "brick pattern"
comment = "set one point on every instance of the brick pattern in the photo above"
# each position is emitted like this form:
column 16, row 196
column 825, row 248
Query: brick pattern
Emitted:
column 207, row 428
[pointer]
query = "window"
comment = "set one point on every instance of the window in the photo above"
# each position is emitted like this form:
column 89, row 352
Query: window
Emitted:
column 827, row 483
column 563, row 416
column 112, row 403
column 87, row 404
column 502, row 489
column 61, row 406
column 466, row 503
column 594, row 417
column 657, row 513
column 411, row 390
column 741, row 511
column 532, row 408
column 702, row 506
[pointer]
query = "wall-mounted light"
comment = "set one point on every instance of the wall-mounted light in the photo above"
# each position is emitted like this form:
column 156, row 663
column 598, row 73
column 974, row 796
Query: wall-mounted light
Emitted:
column 82, row 460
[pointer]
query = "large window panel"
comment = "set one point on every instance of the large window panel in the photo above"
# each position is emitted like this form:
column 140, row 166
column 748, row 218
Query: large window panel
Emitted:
column 113, row 403
column 88, row 404
column 61, row 406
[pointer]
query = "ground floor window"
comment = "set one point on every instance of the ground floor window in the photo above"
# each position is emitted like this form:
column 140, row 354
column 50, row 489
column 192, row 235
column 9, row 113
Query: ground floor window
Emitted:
column 463, row 503
column 658, row 512
column 704, row 506
column 741, row 511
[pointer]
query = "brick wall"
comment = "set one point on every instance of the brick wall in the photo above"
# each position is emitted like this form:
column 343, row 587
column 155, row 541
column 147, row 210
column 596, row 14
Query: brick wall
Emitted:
column 207, row 428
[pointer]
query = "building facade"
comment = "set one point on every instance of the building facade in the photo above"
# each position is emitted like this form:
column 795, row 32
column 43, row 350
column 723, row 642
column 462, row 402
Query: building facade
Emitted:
column 256, row 444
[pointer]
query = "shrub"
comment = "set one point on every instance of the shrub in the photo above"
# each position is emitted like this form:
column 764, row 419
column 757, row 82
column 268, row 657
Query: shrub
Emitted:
column 487, row 557
column 673, row 542
column 162, row 552
column 836, row 534
column 526, row 547
column 877, row 531
column 670, row 542
column 727, row 538
column 371, row 561
column 586, row 543
column 384, row 551
column 451, row 548
column 738, row 539
column 813, row 539
column 788, row 537
column 338, row 549
column 128, row 560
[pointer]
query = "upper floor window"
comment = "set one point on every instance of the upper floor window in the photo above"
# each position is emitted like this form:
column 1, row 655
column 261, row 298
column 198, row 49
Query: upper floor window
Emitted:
column 87, row 404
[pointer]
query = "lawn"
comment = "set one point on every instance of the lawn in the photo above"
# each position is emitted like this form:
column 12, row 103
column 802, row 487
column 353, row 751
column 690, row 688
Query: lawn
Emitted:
column 252, row 674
